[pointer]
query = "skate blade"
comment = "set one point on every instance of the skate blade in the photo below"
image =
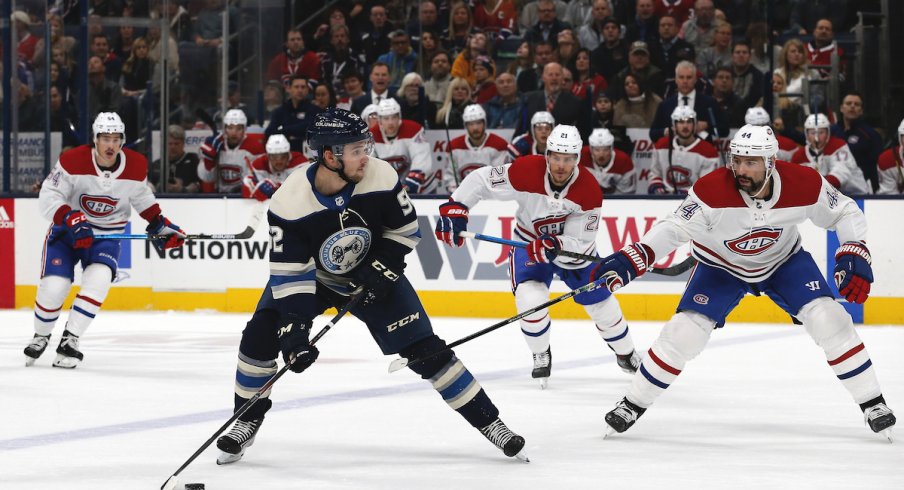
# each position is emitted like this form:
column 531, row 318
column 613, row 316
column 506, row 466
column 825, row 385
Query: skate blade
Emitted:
column 30, row 361
column 888, row 435
column 543, row 382
column 521, row 456
column 609, row 431
column 229, row 458
column 65, row 362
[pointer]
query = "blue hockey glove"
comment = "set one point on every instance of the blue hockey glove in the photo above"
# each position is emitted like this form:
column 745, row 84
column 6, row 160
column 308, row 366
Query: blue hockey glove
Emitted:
column 624, row 266
column 656, row 188
column 295, row 344
column 453, row 219
column 175, row 237
column 543, row 250
column 377, row 275
column 414, row 182
column 853, row 271
column 78, row 231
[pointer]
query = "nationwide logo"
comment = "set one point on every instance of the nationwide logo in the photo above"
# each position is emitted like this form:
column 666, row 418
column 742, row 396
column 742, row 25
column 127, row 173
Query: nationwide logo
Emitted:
column 754, row 243
column 98, row 206
column 5, row 221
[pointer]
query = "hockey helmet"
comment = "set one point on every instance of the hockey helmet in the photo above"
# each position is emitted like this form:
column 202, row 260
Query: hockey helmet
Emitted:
column 389, row 107
column 900, row 130
column 474, row 112
column 371, row 109
column 601, row 137
column 564, row 139
column 542, row 117
column 235, row 117
column 278, row 145
column 758, row 141
column 335, row 127
column 757, row 116
column 683, row 113
column 108, row 122
column 816, row 121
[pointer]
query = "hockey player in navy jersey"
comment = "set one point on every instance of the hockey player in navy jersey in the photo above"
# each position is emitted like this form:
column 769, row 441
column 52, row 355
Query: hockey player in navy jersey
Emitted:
column 89, row 193
column 343, row 222
column 742, row 222
column 558, row 209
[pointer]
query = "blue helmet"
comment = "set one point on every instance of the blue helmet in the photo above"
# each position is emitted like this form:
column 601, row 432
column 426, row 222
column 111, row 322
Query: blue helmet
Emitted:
column 334, row 127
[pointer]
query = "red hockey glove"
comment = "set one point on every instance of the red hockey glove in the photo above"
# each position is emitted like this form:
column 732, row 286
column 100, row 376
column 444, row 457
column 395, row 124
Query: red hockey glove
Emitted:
column 543, row 250
column 853, row 271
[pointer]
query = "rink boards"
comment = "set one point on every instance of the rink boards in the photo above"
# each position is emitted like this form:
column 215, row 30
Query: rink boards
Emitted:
column 469, row 282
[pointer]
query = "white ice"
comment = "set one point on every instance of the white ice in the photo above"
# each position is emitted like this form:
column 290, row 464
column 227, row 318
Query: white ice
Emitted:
column 758, row 409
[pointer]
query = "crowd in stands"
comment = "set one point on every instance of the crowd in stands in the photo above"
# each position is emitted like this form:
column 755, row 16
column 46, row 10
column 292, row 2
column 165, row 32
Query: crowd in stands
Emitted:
column 612, row 64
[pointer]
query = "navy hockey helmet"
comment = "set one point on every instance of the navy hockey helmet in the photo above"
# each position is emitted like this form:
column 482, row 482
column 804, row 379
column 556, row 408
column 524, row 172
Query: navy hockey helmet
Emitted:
column 336, row 127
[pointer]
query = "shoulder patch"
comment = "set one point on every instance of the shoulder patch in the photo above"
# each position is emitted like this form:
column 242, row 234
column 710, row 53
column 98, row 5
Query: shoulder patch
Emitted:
column 295, row 198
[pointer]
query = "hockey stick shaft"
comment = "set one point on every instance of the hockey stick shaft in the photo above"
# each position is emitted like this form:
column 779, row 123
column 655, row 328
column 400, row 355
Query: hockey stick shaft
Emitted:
column 256, row 216
column 674, row 270
column 170, row 483
column 403, row 362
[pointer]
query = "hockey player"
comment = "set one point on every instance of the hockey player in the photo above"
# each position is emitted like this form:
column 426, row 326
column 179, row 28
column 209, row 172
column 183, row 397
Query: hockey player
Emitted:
column 225, row 157
column 369, row 115
column 678, row 162
column 269, row 171
column 831, row 157
column 758, row 116
column 558, row 208
column 612, row 168
column 742, row 222
column 89, row 193
column 345, row 222
column 402, row 143
column 478, row 148
column 534, row 141
column 891, row 175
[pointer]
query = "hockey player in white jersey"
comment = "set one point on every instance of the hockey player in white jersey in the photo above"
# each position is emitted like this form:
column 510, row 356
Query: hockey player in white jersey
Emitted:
column 758, row 116
column 478, row 148
column 680, row 161
column 402, row 143
column 742, row 222
column 369, row 115
column 831, row 157
column 225, row 157
column 558, row 209
column 89, row 193
column 612, row 168
column 268, row 172
column 534, row 141
column 891, row 167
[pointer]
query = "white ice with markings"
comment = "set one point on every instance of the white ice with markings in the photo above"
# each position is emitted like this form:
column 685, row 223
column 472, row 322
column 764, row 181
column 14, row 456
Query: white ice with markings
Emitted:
column 760, row 408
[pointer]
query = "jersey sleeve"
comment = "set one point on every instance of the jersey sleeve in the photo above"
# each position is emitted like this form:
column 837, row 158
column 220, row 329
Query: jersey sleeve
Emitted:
column 660, row 161
column 207, row 167
column 691, row 218
column 483, row 183
column 839, row 167
column 144, row 201
column 421, row 156
column 627, row 183
column 400, row 229
column 292, row 269
column 891, row 178
column 835, row 211
column 579, row 234
column 53, row 200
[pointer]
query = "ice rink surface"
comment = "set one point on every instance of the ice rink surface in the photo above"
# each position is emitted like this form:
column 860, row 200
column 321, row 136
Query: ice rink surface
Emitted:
column 759, row 408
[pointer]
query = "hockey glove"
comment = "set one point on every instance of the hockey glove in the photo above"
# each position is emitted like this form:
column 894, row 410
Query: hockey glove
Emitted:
column 264, row 190
column 453, row 219
column 175, row 237
column 295, row 344
column 853, row 271
column 543, row 250
column 414, row 182
column 78, row 231
column 622, row 267
column 376, row 275
column 656, row 188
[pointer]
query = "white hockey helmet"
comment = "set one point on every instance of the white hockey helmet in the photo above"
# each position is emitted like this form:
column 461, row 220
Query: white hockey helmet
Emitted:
column 901, row 128
column 816, row 121
column 683, row 113
column 757, row 116
column 474, row 112
column 277, row 145
column 564, row 139
column 368, row 111
column 389, row 107
column 542, row 117
column 757, row 141
column 601, row 137
column 235, row 117
column 108, row 122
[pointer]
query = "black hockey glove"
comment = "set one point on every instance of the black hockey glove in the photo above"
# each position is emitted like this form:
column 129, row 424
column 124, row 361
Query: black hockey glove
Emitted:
column 376, row 275
column 295, row 344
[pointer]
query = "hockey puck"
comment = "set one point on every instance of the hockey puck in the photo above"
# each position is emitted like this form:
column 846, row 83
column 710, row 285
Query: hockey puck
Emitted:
column 194, row 486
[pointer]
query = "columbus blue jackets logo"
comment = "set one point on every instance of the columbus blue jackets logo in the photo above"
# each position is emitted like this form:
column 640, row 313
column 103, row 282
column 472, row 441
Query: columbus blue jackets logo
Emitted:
column 345, row 249
column 755, row 242
column 98, row 206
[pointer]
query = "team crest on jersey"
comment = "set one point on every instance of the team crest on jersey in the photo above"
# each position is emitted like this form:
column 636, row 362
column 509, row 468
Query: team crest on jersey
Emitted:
column 679, row 177
column 755, row 242
column 98, row 206
column 701, row 299
column 550, row 225
column 345, row 249
column 230, row 173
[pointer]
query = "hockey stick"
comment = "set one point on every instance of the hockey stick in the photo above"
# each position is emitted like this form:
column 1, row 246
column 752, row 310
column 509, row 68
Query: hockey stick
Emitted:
column 674, row 270
column 718, row 138
column 172, row 481
column 449, row 150
column 256, row 216
column 403, row 362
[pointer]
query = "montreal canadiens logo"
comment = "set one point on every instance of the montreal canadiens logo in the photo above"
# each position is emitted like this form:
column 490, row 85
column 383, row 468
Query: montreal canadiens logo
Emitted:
column 701, row 299
column 98, row 206
column 754, row 243
column 230, row 173
column 345, row 249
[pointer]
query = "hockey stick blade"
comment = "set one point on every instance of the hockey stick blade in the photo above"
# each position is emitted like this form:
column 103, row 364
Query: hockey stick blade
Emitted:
column 402, row 362
column 256, row 216
column 675, row 270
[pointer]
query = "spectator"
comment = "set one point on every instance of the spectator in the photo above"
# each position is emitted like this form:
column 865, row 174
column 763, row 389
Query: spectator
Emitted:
column 505, row 109
column 567, row 47
column 757, row 34
column 375, row 39
column 719, row 54
column 401, row 59
column 352, row 87
column 498, row 18
column 25, row 46
column 704, row 106
column 427, row 21
column 637, row 106
column 138, row 69
column 104, row 95
column 548, row 24
column 670, row 49
column 294, row 116
column 379, row 88
column 413, row 103
column 179, row 21
column 529, row 15
column 58, row 39
column 324, row 97
column 294, row 59
column 63, row 118
column 821, row 48
column 429, row 46
column 806, row 15
column 728, row 101
column 340, row 59
column 611, row 56
column 563, row 105
column 122, row 44
column 794, row 67
column 530, row 80
column 31, row 112
column 578, row 12
column 273, row 98
column 463, row 67
column 524, row 60
column 183, row 165
column 322, row 38
column 790, row 118
column 864, row 142
column 100, row 47
column 586, row 82
column 590, row 34
column 449, row 116
column 604, row 117
column 484, row 87
column 461, row 22
column 156, row 47
column 639, row 65
column 644, row 26
column 700, row 29
column 437, row 86
column 680, row 10
column 748, row 80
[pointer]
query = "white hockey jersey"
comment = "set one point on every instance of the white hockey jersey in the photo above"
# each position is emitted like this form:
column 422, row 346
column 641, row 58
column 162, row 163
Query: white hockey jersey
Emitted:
column 617, row 176
column 836, row 164
column 572, row 214
column 786, row 148
column 688, row 164
column 408, row 152
column 105, row 196
column 263, row 171
column 891, row 175
column 222, row 168
column 750, row 238
column 493, row 152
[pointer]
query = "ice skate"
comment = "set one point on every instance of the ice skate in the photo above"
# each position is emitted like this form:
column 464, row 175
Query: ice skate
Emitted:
column 542, row 367
column 37, row 347
column 628, row 363
column 880, row 419
column 238, row 438
column 622, row 417
column 68, row 355
column 511, row 444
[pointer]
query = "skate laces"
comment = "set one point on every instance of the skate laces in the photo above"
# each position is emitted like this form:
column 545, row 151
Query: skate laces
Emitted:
column 242, row 431
column 70, row 341
column 876, row 411
column 497, row 433
column 541, row 359
column 39, row 342
column 624, row 412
